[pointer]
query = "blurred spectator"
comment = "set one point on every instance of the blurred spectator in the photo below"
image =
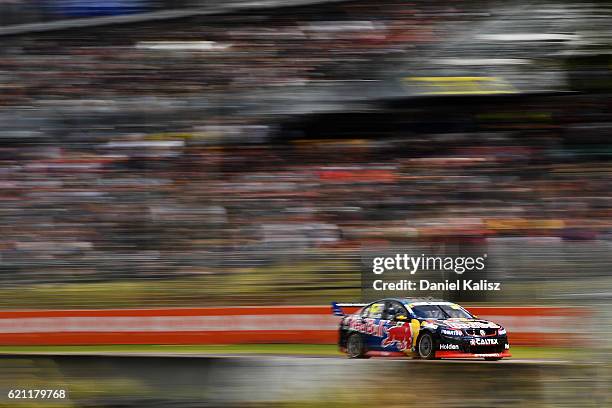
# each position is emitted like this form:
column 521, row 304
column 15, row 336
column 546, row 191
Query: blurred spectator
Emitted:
column 130, row 154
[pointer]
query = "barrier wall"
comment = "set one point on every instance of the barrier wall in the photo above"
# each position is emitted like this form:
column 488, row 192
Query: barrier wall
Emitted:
column 235, row 325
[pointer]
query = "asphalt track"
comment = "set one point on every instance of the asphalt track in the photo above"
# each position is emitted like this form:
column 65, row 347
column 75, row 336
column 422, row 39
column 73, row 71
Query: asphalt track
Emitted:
column 284, row 357
column 211, row 380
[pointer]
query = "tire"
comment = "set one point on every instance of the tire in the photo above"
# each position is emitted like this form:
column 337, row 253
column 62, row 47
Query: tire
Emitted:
column 426, row 347
column 355, row 347
column 493, row 358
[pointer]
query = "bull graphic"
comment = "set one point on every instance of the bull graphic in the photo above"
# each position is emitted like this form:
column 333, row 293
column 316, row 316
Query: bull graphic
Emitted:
column 400, row 334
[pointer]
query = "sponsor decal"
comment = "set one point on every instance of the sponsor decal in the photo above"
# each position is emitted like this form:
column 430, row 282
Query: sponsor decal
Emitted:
column 367, row 326
column 507, row 346
column 429, row 323
column 483, row 342
column 449, row 347
column 401, row 335
column 471, row 325
column 452, row 332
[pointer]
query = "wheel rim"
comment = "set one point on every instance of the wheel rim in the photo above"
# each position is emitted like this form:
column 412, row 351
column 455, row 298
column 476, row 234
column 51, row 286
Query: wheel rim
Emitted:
column 353, row 346
column 425, row 346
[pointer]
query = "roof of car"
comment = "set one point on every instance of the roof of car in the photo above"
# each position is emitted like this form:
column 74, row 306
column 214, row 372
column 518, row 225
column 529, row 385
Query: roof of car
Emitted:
column 417, row 301
column 423, row 300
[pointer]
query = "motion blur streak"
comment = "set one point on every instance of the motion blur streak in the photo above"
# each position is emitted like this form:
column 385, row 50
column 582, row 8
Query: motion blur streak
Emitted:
column 534, row 326
column 253, row 157
column 281, row 382
column 195, row 154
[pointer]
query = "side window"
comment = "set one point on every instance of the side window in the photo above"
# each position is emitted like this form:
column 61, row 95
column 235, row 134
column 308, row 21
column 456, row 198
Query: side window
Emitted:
column 393, row 309
column 374, row 311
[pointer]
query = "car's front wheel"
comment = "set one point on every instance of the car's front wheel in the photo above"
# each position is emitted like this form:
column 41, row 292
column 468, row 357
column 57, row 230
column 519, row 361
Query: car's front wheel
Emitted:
column 426, row 347
column 355, row 347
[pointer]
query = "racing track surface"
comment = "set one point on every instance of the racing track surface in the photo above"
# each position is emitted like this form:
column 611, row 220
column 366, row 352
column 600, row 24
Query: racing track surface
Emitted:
column 281, row 357
column 217, row 380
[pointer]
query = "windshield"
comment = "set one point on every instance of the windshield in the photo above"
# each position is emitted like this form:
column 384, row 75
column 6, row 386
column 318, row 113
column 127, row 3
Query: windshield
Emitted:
column 440, row 312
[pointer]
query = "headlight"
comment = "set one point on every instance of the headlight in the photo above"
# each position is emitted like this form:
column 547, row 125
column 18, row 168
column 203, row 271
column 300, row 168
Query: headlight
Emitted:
column 501, row 332
column 447, row 332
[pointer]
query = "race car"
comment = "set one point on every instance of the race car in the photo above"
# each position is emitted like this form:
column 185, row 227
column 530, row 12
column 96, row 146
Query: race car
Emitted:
column 424, row 328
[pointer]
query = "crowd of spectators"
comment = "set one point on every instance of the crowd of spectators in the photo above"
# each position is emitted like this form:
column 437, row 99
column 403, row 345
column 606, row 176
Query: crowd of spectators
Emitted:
column 159, row 205
column 216, row 56
column 115, row 167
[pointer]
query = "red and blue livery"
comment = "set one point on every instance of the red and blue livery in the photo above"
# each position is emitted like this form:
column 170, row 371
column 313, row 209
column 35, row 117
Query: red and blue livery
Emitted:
column 423, row 328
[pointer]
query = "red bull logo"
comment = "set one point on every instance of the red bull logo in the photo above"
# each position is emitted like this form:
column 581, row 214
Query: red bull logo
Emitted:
column 401, row 335
column 367, row 326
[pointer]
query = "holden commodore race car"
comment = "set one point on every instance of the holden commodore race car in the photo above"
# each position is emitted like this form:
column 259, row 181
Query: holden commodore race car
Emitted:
column 427, row 329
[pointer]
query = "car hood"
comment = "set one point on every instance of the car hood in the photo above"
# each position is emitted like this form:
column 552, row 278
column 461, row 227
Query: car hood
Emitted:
column 465, row 324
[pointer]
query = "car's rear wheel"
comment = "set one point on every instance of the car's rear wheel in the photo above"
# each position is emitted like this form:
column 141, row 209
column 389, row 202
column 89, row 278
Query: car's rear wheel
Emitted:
column 493, row 358
column 426, row 347
column 355, row 347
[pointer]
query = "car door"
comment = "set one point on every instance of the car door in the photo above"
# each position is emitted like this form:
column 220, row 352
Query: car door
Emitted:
column 373, row 325
column 398, row 332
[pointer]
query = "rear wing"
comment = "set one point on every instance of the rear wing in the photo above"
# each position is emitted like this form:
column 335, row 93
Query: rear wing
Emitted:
column 337, row 307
